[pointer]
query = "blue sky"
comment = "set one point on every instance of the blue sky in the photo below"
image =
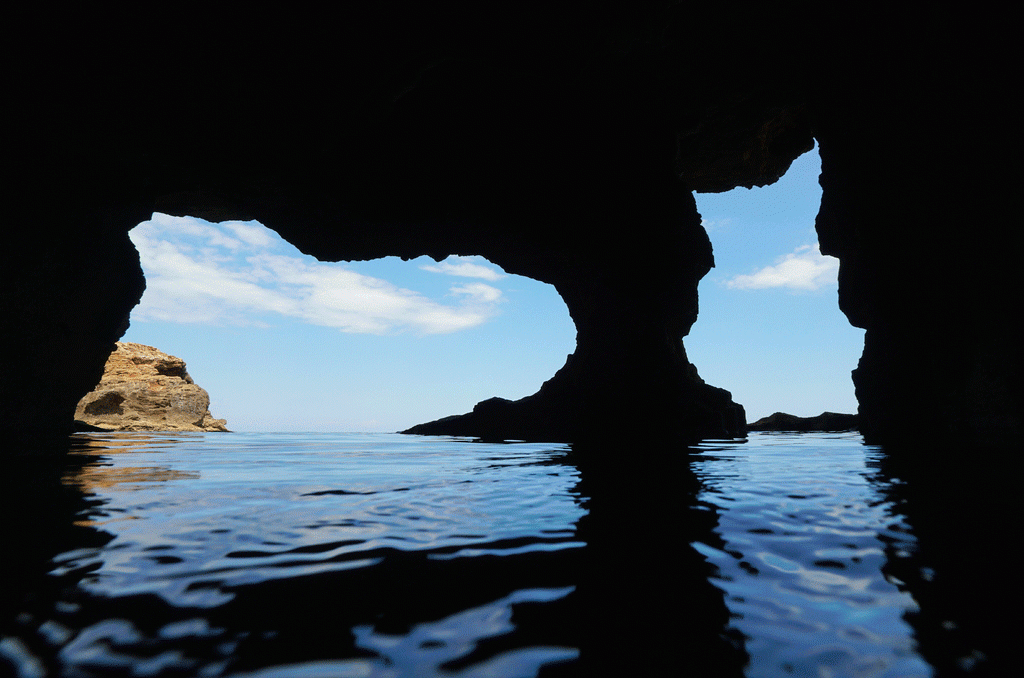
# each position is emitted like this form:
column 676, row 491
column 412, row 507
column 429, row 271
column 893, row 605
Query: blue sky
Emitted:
column 286, row 343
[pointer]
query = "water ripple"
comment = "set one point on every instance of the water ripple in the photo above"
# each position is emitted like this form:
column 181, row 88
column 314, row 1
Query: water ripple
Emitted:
column 801, row 526
column 280, row 555
column 245, row 514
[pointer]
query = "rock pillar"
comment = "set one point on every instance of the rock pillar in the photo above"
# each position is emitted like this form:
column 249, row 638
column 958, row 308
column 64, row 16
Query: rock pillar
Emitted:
column 632, row 300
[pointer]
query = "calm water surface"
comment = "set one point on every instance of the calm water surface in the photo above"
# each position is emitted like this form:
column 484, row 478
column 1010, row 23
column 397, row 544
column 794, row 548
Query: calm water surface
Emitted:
column 280, row 555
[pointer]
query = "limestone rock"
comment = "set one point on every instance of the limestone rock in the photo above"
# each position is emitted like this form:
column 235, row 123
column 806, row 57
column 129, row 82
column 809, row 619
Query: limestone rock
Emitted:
column 144, row 389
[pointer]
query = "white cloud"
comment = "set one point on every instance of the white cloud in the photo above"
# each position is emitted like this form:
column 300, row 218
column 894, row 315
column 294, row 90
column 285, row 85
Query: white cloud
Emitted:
column 463, row 266
column 478, row 292
column 715, row 224
column 235, row 272
column 803, row 269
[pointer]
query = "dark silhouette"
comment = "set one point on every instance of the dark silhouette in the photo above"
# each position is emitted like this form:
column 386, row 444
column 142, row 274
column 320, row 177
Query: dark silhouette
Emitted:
column 826, row 421
column 961, row 516
column 562, row 142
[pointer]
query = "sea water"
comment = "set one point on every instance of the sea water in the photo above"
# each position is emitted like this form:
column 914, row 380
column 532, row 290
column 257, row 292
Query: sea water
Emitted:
column 281, row 555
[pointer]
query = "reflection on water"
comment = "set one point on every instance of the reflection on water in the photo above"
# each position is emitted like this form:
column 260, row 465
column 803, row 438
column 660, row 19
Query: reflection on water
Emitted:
column 277, row 555
column 805, row 533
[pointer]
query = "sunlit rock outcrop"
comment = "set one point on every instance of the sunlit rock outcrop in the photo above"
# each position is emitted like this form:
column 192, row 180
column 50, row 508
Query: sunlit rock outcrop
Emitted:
column 561, row 141
column 144, row 389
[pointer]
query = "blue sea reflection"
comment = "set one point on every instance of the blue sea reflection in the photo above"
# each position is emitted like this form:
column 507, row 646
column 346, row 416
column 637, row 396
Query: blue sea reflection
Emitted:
column 274, row 555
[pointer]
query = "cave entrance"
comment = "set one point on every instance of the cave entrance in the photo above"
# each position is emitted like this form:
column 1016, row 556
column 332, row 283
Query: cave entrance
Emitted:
column 770, row 329
column 284, row 342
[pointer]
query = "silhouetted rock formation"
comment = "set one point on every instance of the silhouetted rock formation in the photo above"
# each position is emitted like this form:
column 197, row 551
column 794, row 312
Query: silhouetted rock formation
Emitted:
column 144, row 389
column 682, row 405
column 826, row 421
column 561, row 141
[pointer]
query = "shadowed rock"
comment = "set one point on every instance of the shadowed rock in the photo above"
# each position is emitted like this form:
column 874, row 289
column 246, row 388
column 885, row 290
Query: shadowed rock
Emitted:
column 561, row 141
column 826, row 421
column 144, row 389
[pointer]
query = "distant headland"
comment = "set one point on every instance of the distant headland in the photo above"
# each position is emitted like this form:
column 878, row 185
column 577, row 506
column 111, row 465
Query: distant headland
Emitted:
column 826, row 421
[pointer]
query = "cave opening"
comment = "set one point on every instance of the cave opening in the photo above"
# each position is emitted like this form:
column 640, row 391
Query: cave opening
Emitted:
column 770, row 330
column 286, row 343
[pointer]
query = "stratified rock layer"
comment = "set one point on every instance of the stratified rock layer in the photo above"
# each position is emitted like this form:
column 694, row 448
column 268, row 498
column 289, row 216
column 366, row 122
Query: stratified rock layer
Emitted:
column 144, row 389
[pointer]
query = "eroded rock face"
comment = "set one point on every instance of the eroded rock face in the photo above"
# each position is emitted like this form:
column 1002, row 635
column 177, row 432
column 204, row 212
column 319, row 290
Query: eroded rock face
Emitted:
column 561, row 141
column 144, row 389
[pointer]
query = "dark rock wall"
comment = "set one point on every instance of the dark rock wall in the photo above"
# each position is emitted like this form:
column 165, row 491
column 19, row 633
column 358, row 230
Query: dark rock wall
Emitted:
column 560, row 141
column 918, row 219
column 66, row 298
